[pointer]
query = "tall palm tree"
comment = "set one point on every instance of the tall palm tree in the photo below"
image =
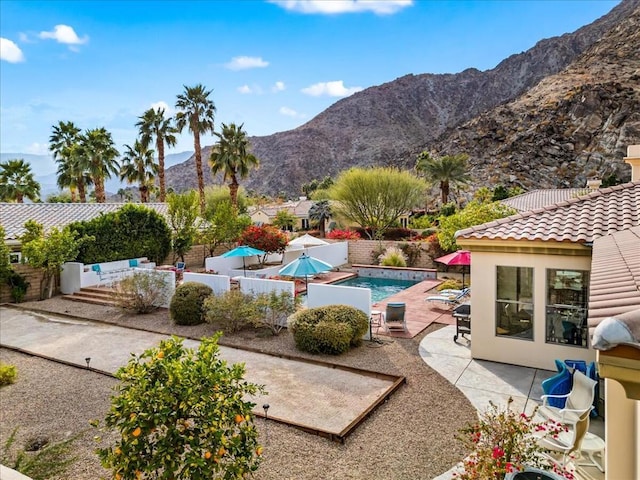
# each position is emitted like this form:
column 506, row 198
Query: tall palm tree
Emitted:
column 138, row 165
column 196, row 111
column 153, row 124
column 319, row 213
column 17, row 181
column 446, row 171
column 64, row 137
column 102, row 157
column 231, row 156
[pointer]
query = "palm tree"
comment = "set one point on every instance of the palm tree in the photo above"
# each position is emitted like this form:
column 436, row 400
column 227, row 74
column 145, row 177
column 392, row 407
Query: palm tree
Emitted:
column 319, row 213
column 231, row 156
column 153, row 124
column 196, row 111
column 17, row 181
column 102, row 158
column 447, row 171
column 138, row 165
column 64, row 138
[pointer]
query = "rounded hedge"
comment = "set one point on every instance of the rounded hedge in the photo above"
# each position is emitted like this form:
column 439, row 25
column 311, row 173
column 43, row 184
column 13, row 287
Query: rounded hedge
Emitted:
column 187, row 303
column 332, row 329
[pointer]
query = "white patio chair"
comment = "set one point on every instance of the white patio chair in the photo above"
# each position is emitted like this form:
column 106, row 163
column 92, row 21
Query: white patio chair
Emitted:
column 578, row 401
column 566, row 442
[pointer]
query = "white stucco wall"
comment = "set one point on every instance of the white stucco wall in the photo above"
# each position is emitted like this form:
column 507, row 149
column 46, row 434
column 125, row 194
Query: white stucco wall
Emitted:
column 485, row 344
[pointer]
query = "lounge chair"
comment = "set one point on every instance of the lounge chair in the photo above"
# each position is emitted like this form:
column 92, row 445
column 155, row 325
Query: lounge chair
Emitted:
column 578, row 401
column 450, row 300
column 394, row 317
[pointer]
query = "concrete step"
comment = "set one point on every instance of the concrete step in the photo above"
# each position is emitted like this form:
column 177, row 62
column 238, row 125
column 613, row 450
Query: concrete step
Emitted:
column 98, row 289
column 92, row 300
column 86, row 294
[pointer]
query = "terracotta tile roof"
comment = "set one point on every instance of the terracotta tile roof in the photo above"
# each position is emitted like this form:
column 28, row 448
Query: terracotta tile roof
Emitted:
column 541, row 198
column 299, row 208
column 581, row 219
column 14, row 215
column 615, row 275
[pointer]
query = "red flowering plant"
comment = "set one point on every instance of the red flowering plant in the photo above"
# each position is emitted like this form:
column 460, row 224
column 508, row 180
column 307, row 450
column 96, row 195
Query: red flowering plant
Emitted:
column 337, row 234
column 504, row 441
column 266, row 238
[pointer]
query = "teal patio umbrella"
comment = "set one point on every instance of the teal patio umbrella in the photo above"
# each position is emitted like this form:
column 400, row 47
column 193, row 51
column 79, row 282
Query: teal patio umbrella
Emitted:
column 243, row 251
column 304, row 266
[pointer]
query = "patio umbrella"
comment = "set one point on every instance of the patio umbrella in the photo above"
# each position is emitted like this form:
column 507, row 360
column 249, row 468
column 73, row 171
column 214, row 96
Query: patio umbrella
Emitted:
column 304, row 266
column 243, row 251
column 461, row 257
column 307, row 240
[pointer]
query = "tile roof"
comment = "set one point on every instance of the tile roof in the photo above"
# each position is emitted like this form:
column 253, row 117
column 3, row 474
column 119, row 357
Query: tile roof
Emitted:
column 541, row 198
column 14, row 215
column 615, row 275
column 299, row 208
column 581, row 219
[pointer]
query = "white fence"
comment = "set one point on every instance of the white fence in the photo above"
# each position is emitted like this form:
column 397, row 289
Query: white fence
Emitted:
column 218, row 283
column 319, row 295
column 169, row 278
column 257, row 286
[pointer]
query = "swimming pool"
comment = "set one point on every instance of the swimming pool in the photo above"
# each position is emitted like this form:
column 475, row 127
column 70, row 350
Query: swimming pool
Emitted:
column 381, row 288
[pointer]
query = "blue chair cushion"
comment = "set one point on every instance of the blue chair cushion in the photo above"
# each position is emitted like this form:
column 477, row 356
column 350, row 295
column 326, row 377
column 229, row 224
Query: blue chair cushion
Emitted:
column 95, row 268
column 133, row 262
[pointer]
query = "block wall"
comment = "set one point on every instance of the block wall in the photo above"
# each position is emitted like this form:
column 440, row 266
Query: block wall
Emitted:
column 360, row 251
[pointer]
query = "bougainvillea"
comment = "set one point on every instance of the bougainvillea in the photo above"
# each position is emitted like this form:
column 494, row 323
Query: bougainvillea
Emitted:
column 337, row 234
column 266, row 238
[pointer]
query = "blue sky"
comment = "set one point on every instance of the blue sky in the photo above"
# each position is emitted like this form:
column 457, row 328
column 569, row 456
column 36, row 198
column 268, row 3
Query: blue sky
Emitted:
column 272, row 65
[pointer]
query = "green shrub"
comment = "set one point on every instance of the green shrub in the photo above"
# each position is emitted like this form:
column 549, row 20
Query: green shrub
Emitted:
column 314, row 331
column 450, row 284
column 8, row 374
column 19, row 286
column 134, row 231
column 393, row 257
column 187, row 305
column 231, row 311
column 142, row 292
column 274, row 309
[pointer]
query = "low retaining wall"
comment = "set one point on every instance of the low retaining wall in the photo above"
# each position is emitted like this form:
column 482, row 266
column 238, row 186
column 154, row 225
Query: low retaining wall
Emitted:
column 395, row 273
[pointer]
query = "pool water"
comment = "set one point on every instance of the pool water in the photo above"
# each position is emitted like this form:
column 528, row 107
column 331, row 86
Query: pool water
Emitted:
column 381, row 288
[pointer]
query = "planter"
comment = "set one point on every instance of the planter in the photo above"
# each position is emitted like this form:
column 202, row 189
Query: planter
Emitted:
column 533, row 474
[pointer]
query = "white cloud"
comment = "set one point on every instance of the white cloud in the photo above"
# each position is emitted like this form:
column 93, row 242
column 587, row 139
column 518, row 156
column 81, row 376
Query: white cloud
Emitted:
column 290, row 112
column 38, row 149
column 335, row 7
column 245, row 89
column 24, row 38
column 162, row 104
column 245, row 63
column 64, row 34
column 332, row 89
column 10, row 52
column 278, row 87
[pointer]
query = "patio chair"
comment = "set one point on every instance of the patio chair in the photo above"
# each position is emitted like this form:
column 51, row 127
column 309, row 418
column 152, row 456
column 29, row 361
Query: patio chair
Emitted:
column 567, row 442
column 180, row 266
column 450, row 300
column 578, row 401
column 394, row 318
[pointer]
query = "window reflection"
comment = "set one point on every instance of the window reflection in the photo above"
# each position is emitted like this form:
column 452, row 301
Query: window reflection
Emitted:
column 566, row 312
column 514, row 302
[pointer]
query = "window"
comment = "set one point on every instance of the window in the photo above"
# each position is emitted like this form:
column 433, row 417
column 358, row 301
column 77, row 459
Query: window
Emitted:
column 566, row 317
column 305, row 224
column 14, row 257
column 514, row 302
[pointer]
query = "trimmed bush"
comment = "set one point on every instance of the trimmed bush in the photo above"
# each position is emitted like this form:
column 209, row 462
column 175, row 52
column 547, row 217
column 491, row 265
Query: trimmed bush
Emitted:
column 187, row 305
column 332, row 329
column 450, row 284
column 8, row 374
column 231, row 311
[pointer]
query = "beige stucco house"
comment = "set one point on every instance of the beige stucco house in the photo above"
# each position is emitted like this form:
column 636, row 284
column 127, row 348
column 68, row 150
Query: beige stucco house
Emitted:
column 544, row 278
column 266, row 214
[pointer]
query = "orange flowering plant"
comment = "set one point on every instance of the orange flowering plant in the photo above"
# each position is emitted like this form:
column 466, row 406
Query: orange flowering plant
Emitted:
column 504, row 441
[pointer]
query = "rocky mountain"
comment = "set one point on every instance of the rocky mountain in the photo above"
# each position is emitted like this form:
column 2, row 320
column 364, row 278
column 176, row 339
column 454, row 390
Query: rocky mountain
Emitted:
column 389, row 124
column 569, row 127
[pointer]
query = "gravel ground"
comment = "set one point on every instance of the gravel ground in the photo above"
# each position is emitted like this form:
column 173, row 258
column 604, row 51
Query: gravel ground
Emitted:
column 409, row 437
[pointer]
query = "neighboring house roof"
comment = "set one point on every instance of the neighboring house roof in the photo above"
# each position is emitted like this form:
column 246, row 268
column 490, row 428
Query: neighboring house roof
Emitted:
column 615, row 275
column 581, row 219
column 14, row 215
column 299, row 208
column 541, row 198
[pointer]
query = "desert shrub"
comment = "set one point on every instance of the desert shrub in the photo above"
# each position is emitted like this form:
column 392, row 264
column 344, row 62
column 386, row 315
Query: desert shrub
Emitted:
column 181, row 413
column 19, row 286
column 187, row 303
column 232, row 311
column 142, row 292
column 337, row 234
column 274, row 309
column 313, row 331
column 450, row 284
column 8, row 374
column 412, row 252
column 395, row 233
column 419, row 223
column 41, row 459
column 393, row 257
